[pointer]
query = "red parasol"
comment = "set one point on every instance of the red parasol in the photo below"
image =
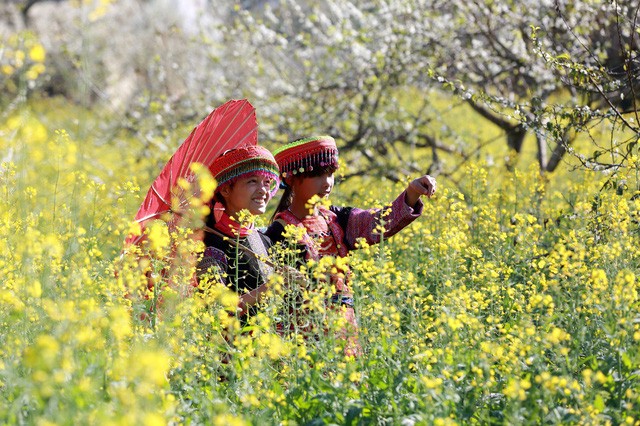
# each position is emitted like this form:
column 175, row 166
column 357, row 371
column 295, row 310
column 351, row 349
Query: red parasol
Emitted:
column 229, row 126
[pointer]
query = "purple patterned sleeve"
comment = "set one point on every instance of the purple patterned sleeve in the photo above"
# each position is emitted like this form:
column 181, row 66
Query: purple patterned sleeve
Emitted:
column 214, row 262
column 363, row 223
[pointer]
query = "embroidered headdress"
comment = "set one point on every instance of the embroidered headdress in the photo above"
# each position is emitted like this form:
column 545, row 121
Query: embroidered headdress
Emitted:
column 243, row 162
column 304, row 155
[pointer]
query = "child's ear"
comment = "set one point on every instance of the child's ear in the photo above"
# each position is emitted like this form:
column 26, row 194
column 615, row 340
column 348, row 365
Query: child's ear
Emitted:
column 225, row 191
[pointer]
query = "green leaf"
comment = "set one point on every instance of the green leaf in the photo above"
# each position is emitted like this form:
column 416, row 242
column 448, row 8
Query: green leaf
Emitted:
column 626, row 360
column 598, row 403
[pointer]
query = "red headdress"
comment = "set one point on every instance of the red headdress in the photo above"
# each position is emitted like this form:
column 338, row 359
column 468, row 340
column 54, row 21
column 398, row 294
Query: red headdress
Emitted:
column 304, row 155
column 245, row 161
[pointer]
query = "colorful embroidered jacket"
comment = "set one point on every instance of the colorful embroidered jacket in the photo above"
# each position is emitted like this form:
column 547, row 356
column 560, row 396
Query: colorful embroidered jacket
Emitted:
column 346, row 225
column 222, row 260
column 335, row 231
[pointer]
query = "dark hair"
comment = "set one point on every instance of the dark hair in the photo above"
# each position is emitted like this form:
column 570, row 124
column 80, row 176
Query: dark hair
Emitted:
column 287, row 196
column 217, row 196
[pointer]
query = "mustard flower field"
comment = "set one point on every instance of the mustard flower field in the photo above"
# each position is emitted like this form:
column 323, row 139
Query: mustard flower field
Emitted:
column 512, row 300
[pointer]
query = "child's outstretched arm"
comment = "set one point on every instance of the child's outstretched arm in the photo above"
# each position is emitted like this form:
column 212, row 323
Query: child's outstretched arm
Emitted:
column 404, row 210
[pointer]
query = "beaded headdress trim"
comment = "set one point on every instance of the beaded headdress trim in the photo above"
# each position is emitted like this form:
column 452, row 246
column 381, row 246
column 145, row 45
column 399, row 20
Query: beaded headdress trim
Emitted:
column 245, row 161
column 304, row 155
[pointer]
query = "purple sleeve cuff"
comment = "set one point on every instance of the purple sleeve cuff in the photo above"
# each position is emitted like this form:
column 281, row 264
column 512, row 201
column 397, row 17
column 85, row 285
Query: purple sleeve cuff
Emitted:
column 363, row 223
column 414, row 211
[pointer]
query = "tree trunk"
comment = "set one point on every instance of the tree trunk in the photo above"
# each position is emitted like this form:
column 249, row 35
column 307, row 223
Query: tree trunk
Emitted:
column 515, row 137
column 542, row 152
column 515, row 133
column 24, row 10
column 556, row 155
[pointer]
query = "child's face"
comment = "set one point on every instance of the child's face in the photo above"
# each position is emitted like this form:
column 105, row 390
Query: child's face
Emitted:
column 307, row 187
column 250, row 193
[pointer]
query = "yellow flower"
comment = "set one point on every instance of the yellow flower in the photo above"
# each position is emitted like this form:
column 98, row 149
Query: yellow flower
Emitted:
column 272, row 345
column 43, row 354
column 557, row 336
column 154, row 419
column 37, row 53
column 431, row 383
column 228, row 420
column 35, row 289
column 120, row 322
column 150, row 366
column 206, row 182
column 19, row 58
column 134, row 229
column 8, row 298
column 159, row 239
column 294, row 233
column 34, row 71
column 229, row 299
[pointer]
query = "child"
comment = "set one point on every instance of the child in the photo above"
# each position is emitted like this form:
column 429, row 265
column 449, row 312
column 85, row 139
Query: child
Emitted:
column 247, row 179
column 307, row 167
